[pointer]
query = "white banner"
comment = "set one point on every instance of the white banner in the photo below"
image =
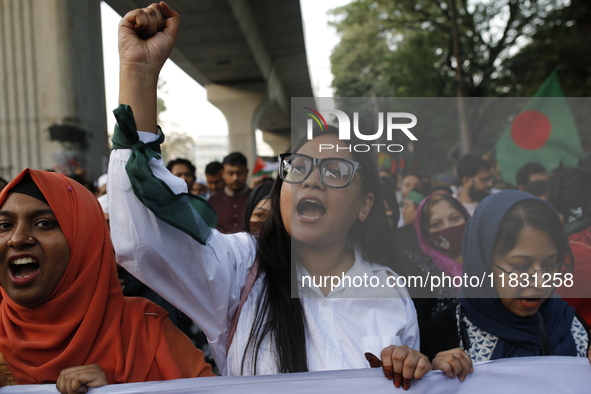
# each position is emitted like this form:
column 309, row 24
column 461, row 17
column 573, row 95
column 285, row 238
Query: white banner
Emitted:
column 512, row 375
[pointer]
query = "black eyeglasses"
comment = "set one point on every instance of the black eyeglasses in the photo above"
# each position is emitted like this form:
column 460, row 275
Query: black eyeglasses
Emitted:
column 531, row 271
column 334, row 172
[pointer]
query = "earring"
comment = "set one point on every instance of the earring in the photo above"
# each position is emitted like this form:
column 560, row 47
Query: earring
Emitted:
column 31, row 239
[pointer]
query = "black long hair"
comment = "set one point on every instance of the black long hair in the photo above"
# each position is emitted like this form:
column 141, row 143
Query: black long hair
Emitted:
column 277, row 314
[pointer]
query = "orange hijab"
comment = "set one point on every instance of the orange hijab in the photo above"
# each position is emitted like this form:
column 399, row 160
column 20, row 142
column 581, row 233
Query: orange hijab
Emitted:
column 87, row 319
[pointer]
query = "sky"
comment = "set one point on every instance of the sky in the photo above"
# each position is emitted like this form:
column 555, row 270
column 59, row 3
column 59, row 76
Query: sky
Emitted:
column 182, row 94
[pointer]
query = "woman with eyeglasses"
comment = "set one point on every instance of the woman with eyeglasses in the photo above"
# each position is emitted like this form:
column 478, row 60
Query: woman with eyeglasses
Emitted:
column 516, row 242
column 240, row 291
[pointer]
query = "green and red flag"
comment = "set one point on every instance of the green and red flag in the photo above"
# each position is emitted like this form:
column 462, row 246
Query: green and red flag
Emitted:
column 543, row 132
column 262, row 167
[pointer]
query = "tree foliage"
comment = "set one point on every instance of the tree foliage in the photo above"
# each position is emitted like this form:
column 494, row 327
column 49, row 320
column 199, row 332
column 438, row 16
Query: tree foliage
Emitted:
column 405, row 48
column 563, row 42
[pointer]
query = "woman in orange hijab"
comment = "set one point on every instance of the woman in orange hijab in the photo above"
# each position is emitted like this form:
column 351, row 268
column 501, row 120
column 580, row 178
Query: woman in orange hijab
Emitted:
column 61, row 307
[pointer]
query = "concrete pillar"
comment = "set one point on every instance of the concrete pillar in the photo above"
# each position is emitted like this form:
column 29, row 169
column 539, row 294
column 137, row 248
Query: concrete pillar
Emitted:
column 239, row 104
column 279, row 142
column 52, row 100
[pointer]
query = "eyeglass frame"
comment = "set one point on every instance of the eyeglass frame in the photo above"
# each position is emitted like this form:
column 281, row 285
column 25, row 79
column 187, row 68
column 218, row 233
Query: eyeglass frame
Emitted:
column 317, row 163
column 547, row 271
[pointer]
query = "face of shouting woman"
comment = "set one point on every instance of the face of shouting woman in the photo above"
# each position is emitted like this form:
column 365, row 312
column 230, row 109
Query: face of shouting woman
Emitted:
column 534, row 250
column 34, row 252
column 314, row 213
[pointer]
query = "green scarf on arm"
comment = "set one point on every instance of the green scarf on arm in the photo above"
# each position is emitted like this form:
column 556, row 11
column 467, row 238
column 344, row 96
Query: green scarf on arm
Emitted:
column 186, row 212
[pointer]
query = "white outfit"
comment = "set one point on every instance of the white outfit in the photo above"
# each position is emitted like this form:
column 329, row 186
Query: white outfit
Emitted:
column 205, row 281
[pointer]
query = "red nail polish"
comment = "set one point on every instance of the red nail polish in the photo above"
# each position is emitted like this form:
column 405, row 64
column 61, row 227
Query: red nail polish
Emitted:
column 389, row 372
column 405, row 384
column 397, row 380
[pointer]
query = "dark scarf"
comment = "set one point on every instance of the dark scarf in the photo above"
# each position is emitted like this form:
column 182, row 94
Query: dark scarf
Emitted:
column 518, row 336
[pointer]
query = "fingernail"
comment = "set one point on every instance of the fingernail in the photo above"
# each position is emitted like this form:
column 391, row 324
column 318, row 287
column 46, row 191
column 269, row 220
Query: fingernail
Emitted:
column 405, row 383
column 397, row 380
column 374, row 362
column 167, row 6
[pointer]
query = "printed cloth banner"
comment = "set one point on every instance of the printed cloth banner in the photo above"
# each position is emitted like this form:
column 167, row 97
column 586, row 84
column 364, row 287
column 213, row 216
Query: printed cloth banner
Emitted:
column 523, row 375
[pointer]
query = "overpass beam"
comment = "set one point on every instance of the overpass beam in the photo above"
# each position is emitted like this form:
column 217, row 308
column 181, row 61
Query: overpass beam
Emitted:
column 279, row 142
column 239, row 104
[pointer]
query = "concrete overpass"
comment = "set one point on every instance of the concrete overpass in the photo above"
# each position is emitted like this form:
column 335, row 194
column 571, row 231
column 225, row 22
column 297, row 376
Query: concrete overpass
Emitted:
column 248, row 54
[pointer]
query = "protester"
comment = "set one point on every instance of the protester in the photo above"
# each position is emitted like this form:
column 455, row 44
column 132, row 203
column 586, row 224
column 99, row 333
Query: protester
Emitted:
column 213, row 177
column 530, row 172
column 101, row 186
column 569, row 192
column 64, row 317
column 200, row 188
column 410, row 182
column 258, row 208
column 440, row 224
column 132, row 287
column 328, row 213
column 183, row 168
column 230, row 203
column 476, row 181
column 510, row 232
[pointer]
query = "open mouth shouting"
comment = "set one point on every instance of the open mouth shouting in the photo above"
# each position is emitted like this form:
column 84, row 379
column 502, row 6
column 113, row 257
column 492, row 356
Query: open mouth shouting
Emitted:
column 310, row 208
column 23, row 269
column 531, row 303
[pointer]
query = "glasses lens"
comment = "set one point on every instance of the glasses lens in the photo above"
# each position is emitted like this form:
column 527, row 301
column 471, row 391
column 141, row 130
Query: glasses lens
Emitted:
column 336, row 173
column 294, row 168
column 523, row 269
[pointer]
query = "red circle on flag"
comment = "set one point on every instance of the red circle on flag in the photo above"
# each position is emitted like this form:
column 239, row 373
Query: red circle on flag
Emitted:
column 531, row 129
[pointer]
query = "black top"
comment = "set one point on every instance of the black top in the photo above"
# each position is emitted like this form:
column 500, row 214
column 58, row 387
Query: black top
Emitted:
column 408, row 240
column 440, row 333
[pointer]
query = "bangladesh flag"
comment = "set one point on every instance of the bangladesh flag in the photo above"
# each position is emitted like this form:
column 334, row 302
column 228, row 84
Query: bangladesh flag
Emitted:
column 544, row 132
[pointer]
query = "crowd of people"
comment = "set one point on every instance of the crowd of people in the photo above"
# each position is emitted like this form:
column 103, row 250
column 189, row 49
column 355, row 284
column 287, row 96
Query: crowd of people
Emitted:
column 160, row 276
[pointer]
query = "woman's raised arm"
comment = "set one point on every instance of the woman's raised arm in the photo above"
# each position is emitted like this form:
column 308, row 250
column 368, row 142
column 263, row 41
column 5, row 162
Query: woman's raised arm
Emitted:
column 202, row 280
column 146, row 38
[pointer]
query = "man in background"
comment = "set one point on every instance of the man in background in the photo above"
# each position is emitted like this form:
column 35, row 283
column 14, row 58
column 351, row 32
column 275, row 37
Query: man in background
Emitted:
column 213, row 177
column 476, row 179
column 230, row 203
column 183, row 168
column 530, row 172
